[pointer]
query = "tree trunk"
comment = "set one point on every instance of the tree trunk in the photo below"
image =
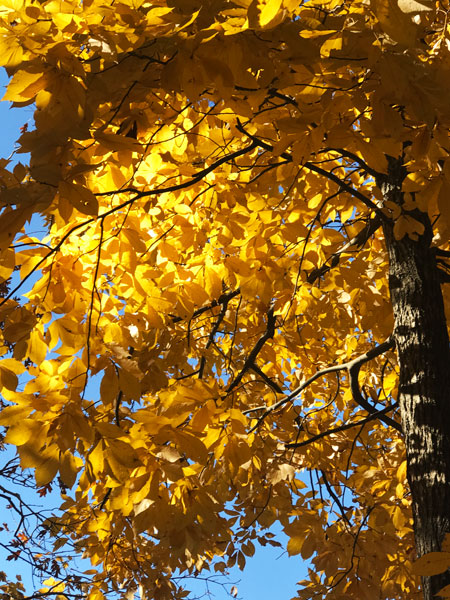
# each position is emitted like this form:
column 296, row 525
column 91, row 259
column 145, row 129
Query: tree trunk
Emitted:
column 422, row 344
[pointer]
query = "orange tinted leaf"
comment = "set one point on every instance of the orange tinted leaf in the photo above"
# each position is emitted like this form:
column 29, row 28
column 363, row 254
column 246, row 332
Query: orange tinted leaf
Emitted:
column 444, row 592
column 46, row 471
column 294, row 545
column 431, row 564
column 79, row 197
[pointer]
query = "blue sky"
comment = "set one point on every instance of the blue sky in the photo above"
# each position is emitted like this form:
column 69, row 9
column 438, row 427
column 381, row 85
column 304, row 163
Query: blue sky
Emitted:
column 270, row 574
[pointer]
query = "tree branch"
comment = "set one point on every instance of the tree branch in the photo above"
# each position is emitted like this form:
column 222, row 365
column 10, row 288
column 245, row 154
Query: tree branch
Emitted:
column 358, row 240
column 223, row 299
column 378, row 414
column 137, row 194
column 250, row 361
column 352, row 367
column 356, row 159
column 353, row 372
column 312, row 167
column 273, row 384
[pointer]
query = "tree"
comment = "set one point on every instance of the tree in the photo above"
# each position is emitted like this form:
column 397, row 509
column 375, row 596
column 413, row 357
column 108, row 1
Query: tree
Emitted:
column 242, row 281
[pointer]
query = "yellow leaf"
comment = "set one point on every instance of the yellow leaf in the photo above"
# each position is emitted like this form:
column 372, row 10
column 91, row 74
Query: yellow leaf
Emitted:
column 190, row 445
column 96, row 459
column 46, row 471
column 399, row 518
column 168, row 251
column 69, row 467
column 8, row 379
column 82, row 427
column 427, row 196
column 36, row 347
column 24, row 86
column 431, row 564
column 220, row 72
column 401, row 471
column 308, row 547
column 268, row 11
column 331, row 46
column 7, row 264
column 11, row 414
column 108, row 430
column 129, row 384
column 123, row 453
column 196, row 292
column 79, row 197
column 398, row 25
column 407, row 225
column 294, row 545
column 372, row 155
column 109, row 387
column 213, row 283
column 95, row 594
column 11, row 223
column 117, row 469
column 117, row 142
column 54, row 585
column 11, row 52
column 21, row 432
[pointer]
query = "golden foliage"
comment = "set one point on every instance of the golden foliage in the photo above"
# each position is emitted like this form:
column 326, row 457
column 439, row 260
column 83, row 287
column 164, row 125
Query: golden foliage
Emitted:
column 209, row 175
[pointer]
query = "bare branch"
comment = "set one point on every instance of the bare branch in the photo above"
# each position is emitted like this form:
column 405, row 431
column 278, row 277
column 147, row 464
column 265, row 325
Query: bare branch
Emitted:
column 356, row 159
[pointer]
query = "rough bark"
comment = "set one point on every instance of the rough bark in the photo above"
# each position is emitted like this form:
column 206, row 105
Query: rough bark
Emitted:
column 422, row 344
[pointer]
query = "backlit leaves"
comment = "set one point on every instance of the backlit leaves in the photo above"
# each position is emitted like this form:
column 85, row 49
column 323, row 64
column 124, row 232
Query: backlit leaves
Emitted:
column 210, row 184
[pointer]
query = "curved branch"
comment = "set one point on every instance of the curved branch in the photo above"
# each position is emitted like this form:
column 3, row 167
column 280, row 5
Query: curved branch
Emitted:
column 137, row 194
column 312, row 167
column 353, row 372
column 353, row 367
column 379, row 414
column 358, row 240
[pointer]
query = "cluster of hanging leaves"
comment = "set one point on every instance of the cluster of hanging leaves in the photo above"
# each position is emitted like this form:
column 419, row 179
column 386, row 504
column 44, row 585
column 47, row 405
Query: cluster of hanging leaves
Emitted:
column 208, row 177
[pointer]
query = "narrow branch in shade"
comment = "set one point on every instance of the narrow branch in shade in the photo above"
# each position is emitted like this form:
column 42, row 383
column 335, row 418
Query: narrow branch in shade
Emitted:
column 316, row 169
column 355, row 159
column 379, row 414
column 250, row 361
column 223, row 299
column 358, row 240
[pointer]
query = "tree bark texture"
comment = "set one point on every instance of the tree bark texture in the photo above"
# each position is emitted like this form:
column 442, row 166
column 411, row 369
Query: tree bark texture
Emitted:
column 422, row 343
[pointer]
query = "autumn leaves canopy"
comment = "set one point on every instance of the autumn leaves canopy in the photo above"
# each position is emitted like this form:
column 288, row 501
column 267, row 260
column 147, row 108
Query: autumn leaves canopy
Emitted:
column 208, row 175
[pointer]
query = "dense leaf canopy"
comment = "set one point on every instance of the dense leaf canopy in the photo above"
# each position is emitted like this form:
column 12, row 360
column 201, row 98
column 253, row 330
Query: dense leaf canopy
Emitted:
column 206, row 345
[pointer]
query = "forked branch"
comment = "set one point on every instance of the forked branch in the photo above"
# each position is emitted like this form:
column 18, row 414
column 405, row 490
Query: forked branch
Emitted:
column 352, row 367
